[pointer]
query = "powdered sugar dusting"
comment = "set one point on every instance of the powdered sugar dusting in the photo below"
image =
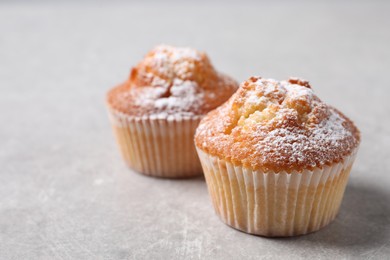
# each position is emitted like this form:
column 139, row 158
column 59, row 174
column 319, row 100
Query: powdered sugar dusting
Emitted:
column 277, row 126
column 178, row 81
column 170, row 62
column 183, row 94
column 301, row 144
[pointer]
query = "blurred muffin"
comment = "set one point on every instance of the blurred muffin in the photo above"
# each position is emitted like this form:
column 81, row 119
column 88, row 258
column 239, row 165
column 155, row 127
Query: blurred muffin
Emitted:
column 156, row 111
column 276, row 158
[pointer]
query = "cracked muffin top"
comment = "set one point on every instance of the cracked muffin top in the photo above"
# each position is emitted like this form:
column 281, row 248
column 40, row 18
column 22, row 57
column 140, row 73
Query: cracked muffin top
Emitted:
column 277, row 126
column 172, row 81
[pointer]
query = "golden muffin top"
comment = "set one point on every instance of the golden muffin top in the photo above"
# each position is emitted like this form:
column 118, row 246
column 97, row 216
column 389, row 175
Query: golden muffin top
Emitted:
column 277, row 126
column 172, row 81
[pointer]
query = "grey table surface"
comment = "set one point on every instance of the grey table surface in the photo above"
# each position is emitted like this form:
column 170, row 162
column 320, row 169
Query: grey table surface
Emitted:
column 65, row 192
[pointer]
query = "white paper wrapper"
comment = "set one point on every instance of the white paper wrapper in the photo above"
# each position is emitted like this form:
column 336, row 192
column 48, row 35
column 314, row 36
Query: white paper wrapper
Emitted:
column 156, row 145
column 275, row 204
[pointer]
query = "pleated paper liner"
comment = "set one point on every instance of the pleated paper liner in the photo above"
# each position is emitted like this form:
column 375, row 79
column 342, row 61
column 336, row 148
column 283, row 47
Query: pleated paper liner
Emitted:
column 156, row 145
column 275, row 204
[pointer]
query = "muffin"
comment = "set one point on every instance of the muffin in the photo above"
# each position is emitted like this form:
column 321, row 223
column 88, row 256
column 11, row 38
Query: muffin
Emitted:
column 276, row 158
column 155, row 112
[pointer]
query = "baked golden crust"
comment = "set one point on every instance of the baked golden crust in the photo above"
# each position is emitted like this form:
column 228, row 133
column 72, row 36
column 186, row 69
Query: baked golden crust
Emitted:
column 277, row 126
column 171, row 81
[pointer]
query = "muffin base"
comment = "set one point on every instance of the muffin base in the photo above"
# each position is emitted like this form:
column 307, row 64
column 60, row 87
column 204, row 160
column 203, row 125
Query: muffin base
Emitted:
column 275, row 204
column 157, row 146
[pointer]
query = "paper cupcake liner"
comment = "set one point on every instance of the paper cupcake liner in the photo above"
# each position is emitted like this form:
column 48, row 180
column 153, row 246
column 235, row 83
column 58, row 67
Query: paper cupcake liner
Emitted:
column 275, row 204
column 156, row 145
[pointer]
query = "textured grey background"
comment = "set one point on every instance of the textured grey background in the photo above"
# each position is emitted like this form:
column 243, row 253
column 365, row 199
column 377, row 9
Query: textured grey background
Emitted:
column 66, row 194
